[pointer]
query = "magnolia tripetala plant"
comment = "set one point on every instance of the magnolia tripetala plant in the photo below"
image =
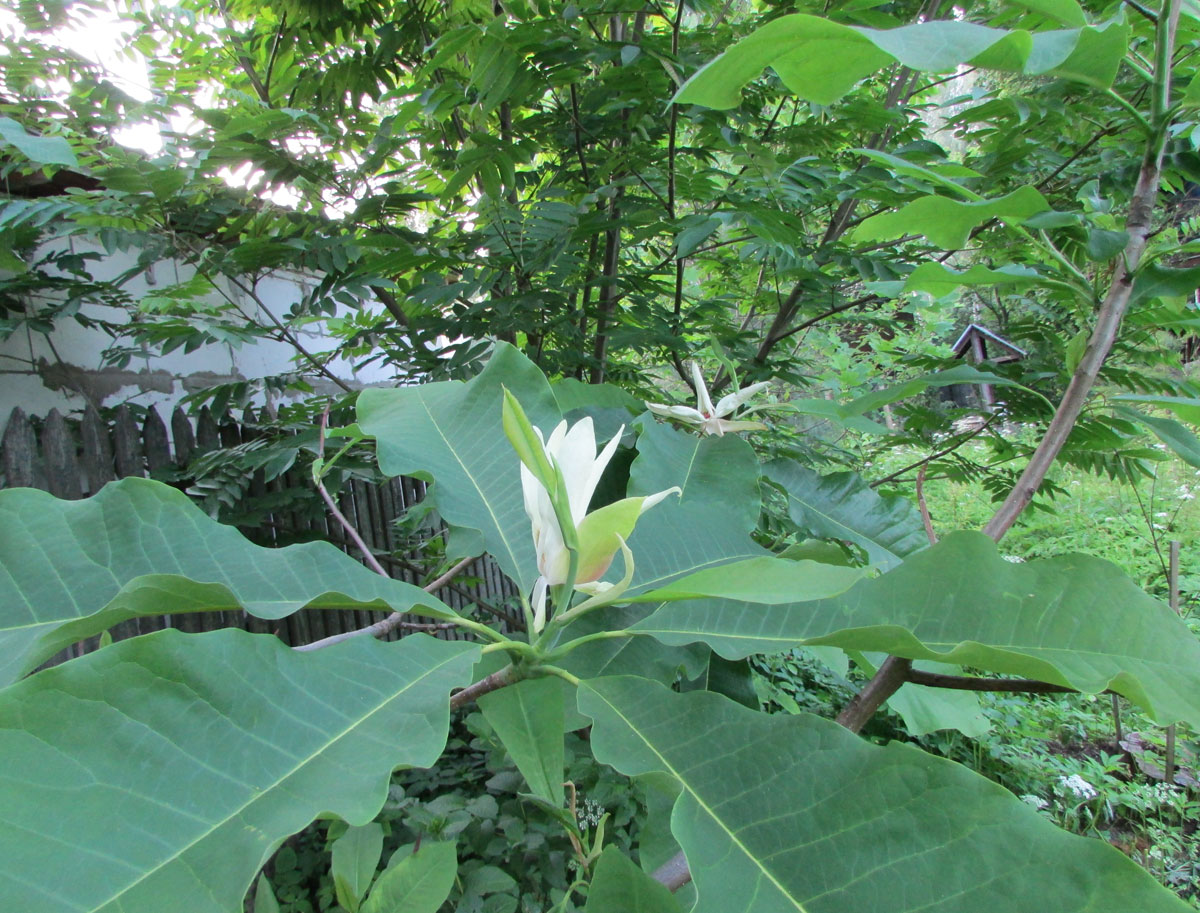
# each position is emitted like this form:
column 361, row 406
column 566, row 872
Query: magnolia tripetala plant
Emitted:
column 164, row 770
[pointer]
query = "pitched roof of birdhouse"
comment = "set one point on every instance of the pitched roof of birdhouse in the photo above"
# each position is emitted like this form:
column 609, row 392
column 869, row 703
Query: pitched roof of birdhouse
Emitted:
column 1007, row 350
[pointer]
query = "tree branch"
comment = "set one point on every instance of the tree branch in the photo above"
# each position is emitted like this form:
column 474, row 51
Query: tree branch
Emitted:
column 933, row 456
column 970, row 683
column 883, row 684
column 396, row 619
column 1112, row 310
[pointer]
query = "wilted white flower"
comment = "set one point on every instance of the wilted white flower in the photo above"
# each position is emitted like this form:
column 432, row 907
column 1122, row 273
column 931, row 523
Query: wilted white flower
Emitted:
column 711, row 419
column 1078, row 786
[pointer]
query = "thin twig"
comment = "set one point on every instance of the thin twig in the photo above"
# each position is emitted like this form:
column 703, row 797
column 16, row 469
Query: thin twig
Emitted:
column 924, row 508
column 934, row 456
column 397, row 619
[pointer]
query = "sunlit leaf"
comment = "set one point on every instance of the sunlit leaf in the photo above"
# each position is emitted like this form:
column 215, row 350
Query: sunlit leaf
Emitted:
column 452, row 432
column 137, row 548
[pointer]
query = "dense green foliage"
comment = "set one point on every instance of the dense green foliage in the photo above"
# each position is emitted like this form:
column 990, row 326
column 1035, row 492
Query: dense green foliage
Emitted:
column 502, row 201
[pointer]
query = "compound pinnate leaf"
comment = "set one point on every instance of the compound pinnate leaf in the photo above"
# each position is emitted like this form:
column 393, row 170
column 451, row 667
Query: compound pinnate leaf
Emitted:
column 795, row 813
column 172, row 765
column 453, row 432
column 142, row 548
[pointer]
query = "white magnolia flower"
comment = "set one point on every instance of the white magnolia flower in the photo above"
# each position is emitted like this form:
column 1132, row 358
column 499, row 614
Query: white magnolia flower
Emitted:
column 600, row 533
column 711, row 419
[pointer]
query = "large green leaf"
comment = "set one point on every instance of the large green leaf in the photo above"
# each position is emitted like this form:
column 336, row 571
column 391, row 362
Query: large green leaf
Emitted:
column 418, row 883
column 619, row 886
column 171, row 766
column 74, row 568
column 766, row 579
column 41, row 150
column 821, row 60
column 709, row 524
column 948, row 222
column 720, row 471
column 938, row 279
column 843, row 506
column 355, row 858
column 528, row 718
column 1186, row 407
column 796, row 813
column 609, row 407
column 452, row 432
column 1074, row 620
column 1181, row 440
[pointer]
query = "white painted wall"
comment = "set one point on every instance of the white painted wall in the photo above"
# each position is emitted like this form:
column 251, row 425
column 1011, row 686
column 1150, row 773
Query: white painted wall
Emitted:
column 67, row 370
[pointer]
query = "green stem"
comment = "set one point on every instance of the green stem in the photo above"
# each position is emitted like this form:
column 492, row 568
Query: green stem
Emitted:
column 483, row 630
column 561, row 673
column 1132, row 111
column 559, row 652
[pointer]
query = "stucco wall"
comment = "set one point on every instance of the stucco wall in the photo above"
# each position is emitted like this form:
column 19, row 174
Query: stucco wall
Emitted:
column 67, row 370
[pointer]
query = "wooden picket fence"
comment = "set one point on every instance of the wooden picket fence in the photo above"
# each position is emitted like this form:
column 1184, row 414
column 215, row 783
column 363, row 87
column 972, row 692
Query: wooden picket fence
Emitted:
column 74, row 458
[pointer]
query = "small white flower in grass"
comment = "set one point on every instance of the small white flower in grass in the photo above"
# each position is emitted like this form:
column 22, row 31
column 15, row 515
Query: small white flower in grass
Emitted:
column 1078, row 787
column 1014, row 559
column 709, row 418
column 1036, row 801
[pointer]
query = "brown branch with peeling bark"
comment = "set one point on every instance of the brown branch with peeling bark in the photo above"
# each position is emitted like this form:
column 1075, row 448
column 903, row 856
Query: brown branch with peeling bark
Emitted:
column 1112, row 310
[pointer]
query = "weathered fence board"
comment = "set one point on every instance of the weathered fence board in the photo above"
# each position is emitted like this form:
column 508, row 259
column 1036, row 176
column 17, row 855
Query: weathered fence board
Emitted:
column 75, row 458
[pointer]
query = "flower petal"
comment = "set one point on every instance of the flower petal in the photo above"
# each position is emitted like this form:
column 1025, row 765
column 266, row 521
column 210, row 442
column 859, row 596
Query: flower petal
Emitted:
column 731, row 402
column 602, row 531
column 650, row 500
column 538, row 602
column 603, row 593
column 575, row 454
column 599, row 464
column 682, row 413
column 703, row 401
column 726, row 425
